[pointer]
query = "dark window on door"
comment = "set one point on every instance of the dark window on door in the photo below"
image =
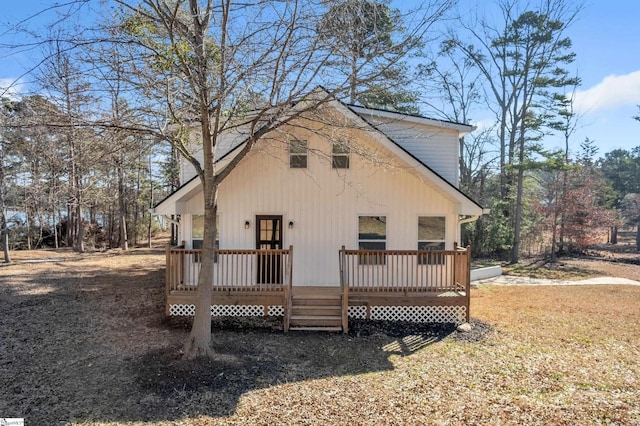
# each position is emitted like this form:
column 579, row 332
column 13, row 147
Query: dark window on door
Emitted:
column 269, row 237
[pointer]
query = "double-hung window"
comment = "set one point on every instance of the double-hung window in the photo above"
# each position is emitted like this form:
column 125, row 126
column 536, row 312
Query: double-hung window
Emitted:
column 431, row 237
column 340, row 155
column 372, row 235
column 298, row 154
column 197, row 233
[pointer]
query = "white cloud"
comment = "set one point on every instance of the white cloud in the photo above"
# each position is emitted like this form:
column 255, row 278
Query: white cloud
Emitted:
column 483, row 125
column 613, row 91
column 10, row 88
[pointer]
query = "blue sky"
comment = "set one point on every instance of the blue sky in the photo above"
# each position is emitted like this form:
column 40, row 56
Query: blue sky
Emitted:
column 605, row 38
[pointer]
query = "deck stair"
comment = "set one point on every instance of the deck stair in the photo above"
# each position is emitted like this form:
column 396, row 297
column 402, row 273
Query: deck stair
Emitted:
column 316, row 309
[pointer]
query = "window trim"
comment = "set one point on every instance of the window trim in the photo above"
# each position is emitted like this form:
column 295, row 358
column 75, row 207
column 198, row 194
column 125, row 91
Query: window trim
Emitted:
column 346, row 154
column 298, row 155
column 432, row 259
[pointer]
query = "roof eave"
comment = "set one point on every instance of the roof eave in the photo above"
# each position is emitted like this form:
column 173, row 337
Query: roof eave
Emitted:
column 462, row 128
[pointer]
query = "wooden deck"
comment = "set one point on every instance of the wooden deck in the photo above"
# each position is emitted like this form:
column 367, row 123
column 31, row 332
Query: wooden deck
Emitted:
column 405, row 285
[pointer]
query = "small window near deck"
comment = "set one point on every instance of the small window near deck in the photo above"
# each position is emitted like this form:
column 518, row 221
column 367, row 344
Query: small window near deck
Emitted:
column 298, row 154
column 197, row 234
column 340, row 155
column 431, row 237
column 372, row 235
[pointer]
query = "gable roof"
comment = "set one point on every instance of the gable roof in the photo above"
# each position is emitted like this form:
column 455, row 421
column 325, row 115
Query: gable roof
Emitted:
column 469, row 206
column 463, row 129
column 232, row 141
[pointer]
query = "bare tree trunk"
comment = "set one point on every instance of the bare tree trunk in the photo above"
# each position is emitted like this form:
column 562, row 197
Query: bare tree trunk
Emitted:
column 79, row 221
column 55, row 229
column 5, row 240
column 136, row 206
column 27, row 215
column 40, row 216
column 3, row 215
column 124, row 243
column 70, row 225
column 150, row 202
column 515, row 250
column 110, row 227
column 554, row 230
column 199, row 341
column 60, row 222
column 80, row 230
column 3, row 207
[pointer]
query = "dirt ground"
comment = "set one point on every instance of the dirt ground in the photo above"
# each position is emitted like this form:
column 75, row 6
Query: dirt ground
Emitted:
column 83, row 340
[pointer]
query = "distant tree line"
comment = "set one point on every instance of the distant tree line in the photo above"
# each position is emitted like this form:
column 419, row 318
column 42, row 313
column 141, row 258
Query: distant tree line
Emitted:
column 74, row 186
column 81, row 163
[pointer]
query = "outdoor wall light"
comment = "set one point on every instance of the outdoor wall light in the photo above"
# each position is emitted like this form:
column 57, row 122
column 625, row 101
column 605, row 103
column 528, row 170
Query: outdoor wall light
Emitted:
column 247, row 224
column 290, row 224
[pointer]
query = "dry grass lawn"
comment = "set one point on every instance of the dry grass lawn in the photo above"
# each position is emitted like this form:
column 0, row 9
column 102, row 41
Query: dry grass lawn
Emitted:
column 83, row 341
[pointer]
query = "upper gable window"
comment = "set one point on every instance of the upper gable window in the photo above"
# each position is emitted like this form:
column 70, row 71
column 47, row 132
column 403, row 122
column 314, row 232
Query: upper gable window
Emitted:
column 298, row 154
column 340, row 155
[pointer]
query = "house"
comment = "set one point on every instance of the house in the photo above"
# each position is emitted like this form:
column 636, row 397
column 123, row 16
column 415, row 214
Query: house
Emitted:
column 322, row 222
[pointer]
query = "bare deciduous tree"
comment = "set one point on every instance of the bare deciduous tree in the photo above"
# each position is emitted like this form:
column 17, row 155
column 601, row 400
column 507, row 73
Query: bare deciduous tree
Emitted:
column 521, row 60
column 223, row 65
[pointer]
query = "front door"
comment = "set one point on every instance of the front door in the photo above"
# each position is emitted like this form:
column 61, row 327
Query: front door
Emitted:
column 269, row 236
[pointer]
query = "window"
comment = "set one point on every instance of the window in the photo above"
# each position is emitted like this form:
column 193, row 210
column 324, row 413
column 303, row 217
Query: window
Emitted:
column 372, row 235
column 340, row 155
column 197, row 233
column 298, row 154
column 431, row 236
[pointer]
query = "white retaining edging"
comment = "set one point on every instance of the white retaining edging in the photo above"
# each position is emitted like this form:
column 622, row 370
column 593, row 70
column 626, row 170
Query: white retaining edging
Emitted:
column 488, row 272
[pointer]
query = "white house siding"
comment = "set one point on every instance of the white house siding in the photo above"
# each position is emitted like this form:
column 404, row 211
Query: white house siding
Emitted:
column 436, row 147
column 324, row 205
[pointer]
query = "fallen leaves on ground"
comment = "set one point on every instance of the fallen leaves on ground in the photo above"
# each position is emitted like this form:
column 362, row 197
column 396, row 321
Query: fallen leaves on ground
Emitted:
column 84, row 341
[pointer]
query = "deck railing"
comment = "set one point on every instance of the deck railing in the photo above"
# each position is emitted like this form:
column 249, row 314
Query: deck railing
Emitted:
column 233, row 270
column 406, row 271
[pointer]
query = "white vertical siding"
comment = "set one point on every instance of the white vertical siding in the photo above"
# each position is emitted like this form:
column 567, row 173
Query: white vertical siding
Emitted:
column 436, row 147
column 324, row 205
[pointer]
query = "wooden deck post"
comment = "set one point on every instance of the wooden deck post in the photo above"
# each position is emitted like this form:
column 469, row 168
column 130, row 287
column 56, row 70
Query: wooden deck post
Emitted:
column 468, row 283
column 167, row 279
column 288, row 291
column 344, row 285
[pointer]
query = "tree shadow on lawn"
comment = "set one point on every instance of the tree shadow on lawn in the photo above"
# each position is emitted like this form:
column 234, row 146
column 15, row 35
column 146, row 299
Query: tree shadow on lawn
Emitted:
column 256, row 354
column 98, row 348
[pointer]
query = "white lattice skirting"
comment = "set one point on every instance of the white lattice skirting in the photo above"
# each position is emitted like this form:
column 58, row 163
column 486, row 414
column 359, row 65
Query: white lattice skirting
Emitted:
column 437, row 314
column 441, row 314
column 357, row 312
column 227, row 310
column 182, row 310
